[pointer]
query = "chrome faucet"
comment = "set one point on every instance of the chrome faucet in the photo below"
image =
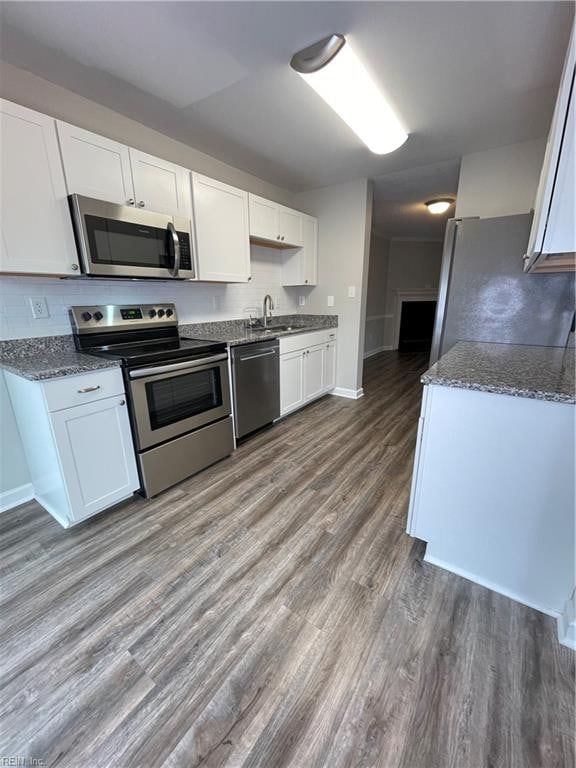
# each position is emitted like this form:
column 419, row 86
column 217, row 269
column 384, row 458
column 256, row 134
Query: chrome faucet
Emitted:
column 268, row 307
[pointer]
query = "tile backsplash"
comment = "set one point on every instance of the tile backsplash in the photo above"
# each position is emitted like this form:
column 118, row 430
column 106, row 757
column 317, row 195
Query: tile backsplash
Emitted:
column 195, row 302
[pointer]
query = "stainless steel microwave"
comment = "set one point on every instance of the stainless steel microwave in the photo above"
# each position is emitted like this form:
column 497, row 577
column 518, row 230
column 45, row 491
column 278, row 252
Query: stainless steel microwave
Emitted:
column 120, row 241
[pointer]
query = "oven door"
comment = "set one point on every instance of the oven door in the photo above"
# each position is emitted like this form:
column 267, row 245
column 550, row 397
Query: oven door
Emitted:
column 120, row 241
column 170, row 400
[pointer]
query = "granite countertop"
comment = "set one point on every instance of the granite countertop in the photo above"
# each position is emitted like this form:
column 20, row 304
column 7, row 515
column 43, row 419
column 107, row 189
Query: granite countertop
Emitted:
column 235, row 332
column 51, row 357
column 539, row 373
column 48, row 357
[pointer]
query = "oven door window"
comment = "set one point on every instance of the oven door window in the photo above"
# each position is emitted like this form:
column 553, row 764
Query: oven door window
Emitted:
column 176, row 398
column 124, row 243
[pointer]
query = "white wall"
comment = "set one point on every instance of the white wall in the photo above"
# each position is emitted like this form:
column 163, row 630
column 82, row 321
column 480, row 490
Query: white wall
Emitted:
column 344, row 212
column 500, row 182
column 376, row 295
column 413, row 266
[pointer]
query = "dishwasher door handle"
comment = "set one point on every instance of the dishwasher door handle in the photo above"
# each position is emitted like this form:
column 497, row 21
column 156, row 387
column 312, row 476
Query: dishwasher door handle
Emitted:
column 260, row 354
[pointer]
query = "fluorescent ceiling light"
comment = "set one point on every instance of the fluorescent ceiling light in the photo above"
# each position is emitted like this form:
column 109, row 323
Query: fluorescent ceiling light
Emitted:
column 334, row 71
column 439, row 206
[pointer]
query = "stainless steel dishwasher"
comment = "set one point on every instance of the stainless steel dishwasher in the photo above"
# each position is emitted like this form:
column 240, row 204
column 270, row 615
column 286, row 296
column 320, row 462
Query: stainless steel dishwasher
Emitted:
column 256, row 385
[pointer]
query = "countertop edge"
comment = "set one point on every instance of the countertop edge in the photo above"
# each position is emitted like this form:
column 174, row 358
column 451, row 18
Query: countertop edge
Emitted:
column 528, row 394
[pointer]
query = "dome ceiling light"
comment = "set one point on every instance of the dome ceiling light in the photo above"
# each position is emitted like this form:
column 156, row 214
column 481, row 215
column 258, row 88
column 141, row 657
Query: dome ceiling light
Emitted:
column 333, row 70
column 440, row 205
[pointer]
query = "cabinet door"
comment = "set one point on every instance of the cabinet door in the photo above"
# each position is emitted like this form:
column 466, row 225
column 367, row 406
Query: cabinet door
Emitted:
column 263, row 218
column 289, row 226
column 36, row 234
column 160, row 185
column 330, row 366
column 291, row 381
column 309, row 250
column 314, row 372
column 560, row 234
column 94, row 444
column 95, row 166
column 222, row 236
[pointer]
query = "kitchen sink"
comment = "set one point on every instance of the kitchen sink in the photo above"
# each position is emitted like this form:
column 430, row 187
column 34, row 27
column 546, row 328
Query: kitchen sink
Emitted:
column 273, row 329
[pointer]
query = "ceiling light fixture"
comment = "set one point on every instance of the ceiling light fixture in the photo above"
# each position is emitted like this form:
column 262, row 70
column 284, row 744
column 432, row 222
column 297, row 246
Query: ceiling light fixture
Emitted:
column 333, row 70
column 440, row 205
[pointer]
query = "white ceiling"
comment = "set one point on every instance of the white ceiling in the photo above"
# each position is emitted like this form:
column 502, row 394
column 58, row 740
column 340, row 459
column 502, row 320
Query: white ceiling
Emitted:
column 399, row 200
column 463, row 76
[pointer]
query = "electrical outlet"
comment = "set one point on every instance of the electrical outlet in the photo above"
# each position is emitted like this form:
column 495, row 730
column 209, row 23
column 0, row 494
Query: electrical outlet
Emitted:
column 351, row 291
column 39, row 307
column 330, row 301
column 301, row 301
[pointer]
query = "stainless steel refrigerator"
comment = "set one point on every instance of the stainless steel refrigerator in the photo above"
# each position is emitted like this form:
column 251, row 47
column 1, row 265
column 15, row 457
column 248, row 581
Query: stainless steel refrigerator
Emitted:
column 484, row 295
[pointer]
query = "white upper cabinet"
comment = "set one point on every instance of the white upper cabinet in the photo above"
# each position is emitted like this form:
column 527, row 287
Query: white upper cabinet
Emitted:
column 36, row 229
column 160, row 185
column 98, row 167
column 263, row 218
column 222, row 232
column 95, row 166
column 289, row 226
column 275, row 223
column 300, row 266
column 552, row 243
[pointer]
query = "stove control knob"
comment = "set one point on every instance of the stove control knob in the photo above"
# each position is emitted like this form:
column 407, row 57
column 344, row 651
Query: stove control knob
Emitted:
column 161, row 313
column 86, row 316
column 98, row 316
column 169, row 312
column 151, row 313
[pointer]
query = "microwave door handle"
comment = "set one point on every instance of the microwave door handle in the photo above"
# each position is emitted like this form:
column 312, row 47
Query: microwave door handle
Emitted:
column 175, row 247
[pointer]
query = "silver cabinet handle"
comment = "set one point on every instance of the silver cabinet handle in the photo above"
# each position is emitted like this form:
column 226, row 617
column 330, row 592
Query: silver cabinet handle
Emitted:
column 74, row 267
column 141, row 204
column 176, row 247
column 84, row 390
column 282, row 238
column 130, row 201
column 122, row 402
column 139, row 373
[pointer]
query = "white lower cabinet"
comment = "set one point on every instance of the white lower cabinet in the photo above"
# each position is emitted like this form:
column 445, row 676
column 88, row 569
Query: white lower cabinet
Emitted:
column 307, row 368
column 330, row 366
column 291, row 381
column 81, row 456
column 314, row 372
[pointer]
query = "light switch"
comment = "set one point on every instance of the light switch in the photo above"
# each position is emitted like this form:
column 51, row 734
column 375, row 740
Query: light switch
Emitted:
column 330, row 301
column 351, row 291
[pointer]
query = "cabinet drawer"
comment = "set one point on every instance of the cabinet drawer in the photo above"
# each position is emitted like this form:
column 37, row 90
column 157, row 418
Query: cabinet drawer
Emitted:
column 84, row 388
column 305, row 340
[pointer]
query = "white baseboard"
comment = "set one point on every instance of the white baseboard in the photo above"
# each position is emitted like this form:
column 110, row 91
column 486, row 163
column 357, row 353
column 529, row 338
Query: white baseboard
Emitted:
column 352, row 394
column 567, row 624
column 16, row 496
column 490, row 585
column 372, row 352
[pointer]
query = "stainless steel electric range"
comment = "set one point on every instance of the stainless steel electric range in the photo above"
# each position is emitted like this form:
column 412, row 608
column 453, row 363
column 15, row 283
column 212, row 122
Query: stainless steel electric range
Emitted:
column 178, row 389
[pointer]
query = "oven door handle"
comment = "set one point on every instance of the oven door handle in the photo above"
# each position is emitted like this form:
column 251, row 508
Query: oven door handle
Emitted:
column 140, row 373
column 175, row 247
